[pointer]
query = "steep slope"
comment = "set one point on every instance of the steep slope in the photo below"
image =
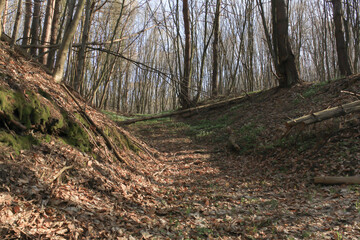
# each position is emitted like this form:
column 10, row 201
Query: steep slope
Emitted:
column 64, row 175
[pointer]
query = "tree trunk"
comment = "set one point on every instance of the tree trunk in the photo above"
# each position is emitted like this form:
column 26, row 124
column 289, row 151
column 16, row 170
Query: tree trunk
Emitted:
column 341, row 47
column 2, row 6
column 6, row 8
column 207, row 41
column 356, row 34
column 214, row 83
column 325, row 114
column 68, row 37
column 45, row 39
column 267, row 34
column 54, row 33
column 185, row 81
column 250, row 50
column 27, row 23
column 79, row 75
column 35, row 26
column 287, row 72
column 16, row 24
column 189, row 111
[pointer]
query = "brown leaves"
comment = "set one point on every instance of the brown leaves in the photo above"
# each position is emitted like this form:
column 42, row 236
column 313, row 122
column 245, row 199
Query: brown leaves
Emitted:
column 189, row 191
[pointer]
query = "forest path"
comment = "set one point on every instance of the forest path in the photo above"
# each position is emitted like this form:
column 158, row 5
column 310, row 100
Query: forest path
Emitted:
column 213, row 193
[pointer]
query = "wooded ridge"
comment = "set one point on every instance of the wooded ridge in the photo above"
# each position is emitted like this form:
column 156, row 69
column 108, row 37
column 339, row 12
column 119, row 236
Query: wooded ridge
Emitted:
column 140, row 57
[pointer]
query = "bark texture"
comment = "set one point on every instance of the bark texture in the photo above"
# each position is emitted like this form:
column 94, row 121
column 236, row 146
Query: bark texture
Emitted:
column 286, row 72
column 68, row 37
column 45, row 39
column 216, row 49
column 16, row 24
column 341, row 46
column 35, row 26
column 326, row 114
column 27, row 23
column 185, row 81
column 79, row 75
column 54, row 33
column 2, row 6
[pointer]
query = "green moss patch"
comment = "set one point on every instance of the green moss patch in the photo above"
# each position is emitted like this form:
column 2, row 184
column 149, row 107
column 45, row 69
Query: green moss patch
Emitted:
column 73, row 134
column 29, row 109
column 120, row 140
column 35, row 112
column 314, row 89
column 248, row 137
column 17, row 142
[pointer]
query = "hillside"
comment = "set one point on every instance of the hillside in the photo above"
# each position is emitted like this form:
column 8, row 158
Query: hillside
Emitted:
column 266, row 189
column 59, row 176
column 69, row 172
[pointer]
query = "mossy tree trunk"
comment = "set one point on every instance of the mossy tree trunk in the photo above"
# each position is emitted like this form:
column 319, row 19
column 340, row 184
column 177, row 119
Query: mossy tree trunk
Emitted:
column 68, row 37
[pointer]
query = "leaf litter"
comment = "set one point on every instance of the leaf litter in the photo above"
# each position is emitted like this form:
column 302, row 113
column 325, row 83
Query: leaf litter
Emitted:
column 184, row 189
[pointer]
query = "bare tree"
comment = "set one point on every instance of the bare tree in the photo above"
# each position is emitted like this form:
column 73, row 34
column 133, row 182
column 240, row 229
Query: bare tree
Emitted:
column 16, row 24
column 341, row 46
column 287, row 73
column 214, row 85
column 2, row 6
column 35, row 26
column 68, row 37
column 355, row 24
column 54, row 33
column 27, row 23
column 185, row 81
column 45, row 39
column 79, row 74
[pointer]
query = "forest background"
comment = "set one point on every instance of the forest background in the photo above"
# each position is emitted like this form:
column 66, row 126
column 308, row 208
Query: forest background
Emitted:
column 153, row 56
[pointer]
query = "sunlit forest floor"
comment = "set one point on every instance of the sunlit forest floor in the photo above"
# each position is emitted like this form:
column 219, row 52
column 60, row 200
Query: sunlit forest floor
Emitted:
column 178, row 178
column 266, row 190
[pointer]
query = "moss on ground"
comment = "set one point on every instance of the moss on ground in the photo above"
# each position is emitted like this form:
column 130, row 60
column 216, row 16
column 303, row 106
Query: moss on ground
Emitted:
column 17, row 142
column 121, row 140
column 74, row 135
column 27, row 109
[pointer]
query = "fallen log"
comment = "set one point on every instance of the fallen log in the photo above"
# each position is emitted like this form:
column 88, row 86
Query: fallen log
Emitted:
column 189, row 110
column 337, row 180
column 325, row 114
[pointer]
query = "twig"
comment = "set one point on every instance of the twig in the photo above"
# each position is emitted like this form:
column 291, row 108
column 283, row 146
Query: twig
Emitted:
column 157, row 173
column 351, row 93
column 60, row 172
